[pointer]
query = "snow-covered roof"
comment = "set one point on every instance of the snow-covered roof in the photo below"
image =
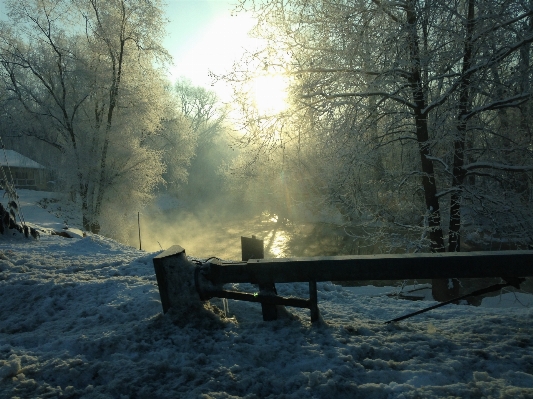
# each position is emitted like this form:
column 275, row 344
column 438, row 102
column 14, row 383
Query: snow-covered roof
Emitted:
column 14, row 159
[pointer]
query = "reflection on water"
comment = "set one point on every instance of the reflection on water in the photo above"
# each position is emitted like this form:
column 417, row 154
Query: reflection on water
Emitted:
column 276, row 243
column 221, row 238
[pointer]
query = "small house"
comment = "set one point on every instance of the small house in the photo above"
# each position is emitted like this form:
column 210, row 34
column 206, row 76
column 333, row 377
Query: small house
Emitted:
column 24, row 172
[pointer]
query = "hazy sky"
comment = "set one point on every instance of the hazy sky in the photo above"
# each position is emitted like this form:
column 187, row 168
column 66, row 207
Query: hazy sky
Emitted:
column 202, row 35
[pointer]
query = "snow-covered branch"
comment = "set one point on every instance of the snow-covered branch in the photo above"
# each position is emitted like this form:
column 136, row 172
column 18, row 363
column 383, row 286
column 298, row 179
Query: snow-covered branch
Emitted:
column 394, row 71
column 439, row 160
column 498, row 166
column 499, row 55
column 381, row 94
column 513, row 101
column 448, row 191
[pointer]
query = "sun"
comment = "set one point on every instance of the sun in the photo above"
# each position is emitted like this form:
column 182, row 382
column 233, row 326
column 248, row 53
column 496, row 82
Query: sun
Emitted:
column 270, row 94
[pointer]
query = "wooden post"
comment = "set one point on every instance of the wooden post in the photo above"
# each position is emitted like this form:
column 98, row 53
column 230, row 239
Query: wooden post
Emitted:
column 165, row 264
column 313, row 297
column 253, row 248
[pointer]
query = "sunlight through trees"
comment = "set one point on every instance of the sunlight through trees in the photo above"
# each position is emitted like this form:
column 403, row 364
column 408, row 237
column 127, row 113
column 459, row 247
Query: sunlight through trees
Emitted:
column 411, row 116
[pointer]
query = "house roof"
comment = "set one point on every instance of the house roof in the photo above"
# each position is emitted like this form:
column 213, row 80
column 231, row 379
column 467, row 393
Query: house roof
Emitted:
column 14, row 159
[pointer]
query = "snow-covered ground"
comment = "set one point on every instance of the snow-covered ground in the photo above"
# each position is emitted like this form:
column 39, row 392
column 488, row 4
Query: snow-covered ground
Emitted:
column 81, row 318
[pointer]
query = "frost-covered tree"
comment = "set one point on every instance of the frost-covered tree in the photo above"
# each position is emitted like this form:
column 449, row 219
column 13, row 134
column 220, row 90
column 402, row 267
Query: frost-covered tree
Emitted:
column 206, row 118
column 86, row 76
column 416, row 110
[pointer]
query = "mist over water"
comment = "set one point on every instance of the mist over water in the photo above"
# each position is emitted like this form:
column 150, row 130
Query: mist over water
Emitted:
column 216, row 230
column 200, row 234
column 206, row 234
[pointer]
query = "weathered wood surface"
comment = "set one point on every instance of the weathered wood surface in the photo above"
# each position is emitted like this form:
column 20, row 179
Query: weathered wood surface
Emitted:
column 182, row 283
column 162, row 263
column 375, row 267
column 253, row 248
column 263, row 299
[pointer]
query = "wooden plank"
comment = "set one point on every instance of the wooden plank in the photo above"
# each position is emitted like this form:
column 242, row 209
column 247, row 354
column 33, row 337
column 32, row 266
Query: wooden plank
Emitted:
column 262, row 298
column 313, row 299
column 253, row 248
column 376, row 267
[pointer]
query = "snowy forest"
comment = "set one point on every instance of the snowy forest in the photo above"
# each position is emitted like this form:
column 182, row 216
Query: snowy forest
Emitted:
column 409, row 119
column 353, row 127
column 413, row 114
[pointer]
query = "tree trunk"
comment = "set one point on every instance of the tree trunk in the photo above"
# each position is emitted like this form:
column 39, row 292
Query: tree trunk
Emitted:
column 458, row 172
column 422, row 135
column 116, row 77
column 442, row 289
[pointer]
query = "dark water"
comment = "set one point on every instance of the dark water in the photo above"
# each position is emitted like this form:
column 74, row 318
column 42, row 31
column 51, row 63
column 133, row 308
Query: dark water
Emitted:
column 222, row 238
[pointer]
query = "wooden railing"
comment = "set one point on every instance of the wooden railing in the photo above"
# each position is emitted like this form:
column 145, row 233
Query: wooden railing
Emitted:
column 209, row 278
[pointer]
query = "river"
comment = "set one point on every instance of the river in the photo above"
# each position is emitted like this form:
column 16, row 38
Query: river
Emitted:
column 210, row 235
column 205, row 237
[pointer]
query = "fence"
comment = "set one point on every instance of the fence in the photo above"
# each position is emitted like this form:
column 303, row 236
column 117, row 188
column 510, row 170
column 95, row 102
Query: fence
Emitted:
column 173, row 268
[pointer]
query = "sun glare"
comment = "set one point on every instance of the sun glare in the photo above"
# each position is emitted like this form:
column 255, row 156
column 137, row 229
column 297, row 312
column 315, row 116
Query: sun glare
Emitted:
column 215, row 50
column 270, row 94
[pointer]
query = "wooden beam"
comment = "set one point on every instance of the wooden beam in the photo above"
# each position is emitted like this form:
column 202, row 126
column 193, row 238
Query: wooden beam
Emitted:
column 254, row 248
column 375, row 267
column 263, row 299
column 313, row 299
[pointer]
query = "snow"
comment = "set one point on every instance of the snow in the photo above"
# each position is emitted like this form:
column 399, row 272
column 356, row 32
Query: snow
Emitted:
column 14, row 159
column 81, row 318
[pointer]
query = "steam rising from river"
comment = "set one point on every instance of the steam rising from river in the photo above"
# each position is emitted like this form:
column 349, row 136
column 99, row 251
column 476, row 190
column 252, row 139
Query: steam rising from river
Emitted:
column 216, row 230
column 208, row 232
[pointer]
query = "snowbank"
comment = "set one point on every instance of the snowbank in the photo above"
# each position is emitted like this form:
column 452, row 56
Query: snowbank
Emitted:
column 82, row 318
